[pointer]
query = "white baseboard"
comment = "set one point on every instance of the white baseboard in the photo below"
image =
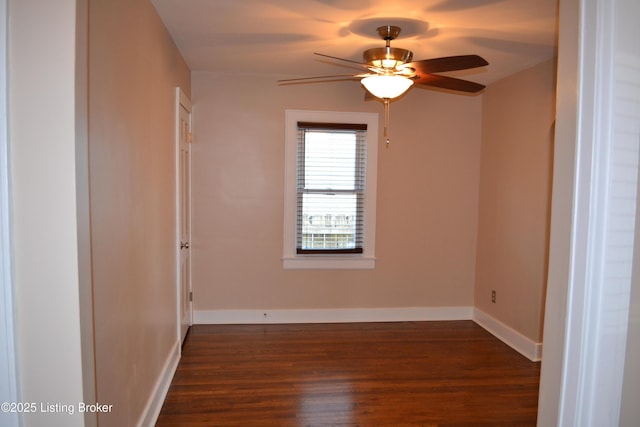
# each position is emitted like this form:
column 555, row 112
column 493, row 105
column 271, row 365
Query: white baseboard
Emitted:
column 530, row 349
column 346, row 315
column 159, row 393
column 511, row 337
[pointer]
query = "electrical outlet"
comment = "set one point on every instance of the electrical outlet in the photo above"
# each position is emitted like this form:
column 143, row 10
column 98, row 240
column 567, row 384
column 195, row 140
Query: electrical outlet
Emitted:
column 493, row 297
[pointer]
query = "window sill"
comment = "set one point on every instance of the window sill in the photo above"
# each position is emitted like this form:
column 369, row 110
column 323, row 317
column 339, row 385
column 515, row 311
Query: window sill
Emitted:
column 321, row 262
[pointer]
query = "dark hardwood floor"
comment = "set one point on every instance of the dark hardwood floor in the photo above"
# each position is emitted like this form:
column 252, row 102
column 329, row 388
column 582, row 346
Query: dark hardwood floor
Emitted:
column 359, row 374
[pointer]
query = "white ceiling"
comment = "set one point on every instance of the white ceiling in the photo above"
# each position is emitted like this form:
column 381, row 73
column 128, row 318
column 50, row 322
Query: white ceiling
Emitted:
column 280, row 36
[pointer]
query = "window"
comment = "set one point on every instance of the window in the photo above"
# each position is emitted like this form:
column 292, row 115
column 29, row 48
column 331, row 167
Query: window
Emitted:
column 330, row 187
column 330, row 193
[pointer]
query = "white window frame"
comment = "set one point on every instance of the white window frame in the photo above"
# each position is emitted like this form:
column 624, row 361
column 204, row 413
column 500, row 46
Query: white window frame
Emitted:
column 365, row 260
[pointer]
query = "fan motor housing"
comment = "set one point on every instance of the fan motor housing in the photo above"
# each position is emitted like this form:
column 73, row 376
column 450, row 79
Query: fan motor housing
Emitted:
column 384, row 53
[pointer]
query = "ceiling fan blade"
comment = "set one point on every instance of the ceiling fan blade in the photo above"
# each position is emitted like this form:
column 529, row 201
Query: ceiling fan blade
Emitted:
column 334, row 76
column 447, row 63
column 449, row 83
column 362, row 64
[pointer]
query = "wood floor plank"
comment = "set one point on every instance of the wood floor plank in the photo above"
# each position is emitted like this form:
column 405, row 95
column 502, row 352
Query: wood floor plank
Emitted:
column 357, row 374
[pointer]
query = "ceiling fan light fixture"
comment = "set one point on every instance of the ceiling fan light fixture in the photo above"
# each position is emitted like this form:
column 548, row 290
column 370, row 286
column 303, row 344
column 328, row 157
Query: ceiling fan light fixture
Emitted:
column 389, row 64
column 386, row 86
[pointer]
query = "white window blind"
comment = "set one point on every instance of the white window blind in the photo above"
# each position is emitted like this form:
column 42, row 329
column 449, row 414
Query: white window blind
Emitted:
column 330, row 188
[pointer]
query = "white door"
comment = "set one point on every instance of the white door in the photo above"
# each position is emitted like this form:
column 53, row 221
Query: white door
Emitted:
column 184, row 213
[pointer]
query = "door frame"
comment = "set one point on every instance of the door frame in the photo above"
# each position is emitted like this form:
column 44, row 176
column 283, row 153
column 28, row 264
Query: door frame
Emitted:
column 182, row 101
column 10, row 387
column 586, row 314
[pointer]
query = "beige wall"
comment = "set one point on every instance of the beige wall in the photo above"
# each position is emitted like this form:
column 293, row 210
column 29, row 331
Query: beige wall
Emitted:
column 134, row 68
column 427, row 199
column 515, row 185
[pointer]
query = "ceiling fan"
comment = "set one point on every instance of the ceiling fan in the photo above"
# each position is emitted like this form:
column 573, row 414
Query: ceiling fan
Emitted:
column 390, row 71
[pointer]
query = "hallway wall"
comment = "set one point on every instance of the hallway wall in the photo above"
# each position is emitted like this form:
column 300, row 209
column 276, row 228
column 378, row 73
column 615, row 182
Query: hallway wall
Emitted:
column 41, row 92
column 134, row 68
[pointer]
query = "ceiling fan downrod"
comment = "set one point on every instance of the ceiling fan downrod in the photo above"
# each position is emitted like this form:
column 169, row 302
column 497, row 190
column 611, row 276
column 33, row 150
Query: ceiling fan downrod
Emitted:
column 388, row 33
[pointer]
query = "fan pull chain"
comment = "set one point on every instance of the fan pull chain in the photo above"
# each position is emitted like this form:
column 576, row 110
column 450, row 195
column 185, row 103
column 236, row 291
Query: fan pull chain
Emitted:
column 386, row 120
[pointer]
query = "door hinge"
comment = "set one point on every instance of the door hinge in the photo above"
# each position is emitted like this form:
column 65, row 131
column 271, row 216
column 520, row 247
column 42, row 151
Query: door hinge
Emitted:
column 189, row 137
column 190, row 296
